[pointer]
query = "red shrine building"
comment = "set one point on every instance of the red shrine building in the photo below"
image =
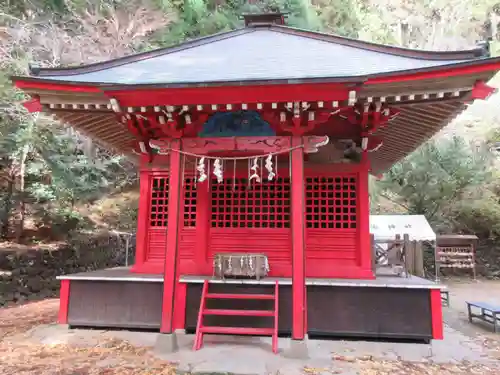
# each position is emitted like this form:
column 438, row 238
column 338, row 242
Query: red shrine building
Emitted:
column 254, row 148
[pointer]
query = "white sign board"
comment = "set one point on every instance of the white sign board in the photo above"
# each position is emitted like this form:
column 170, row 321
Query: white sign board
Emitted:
column 386, row 227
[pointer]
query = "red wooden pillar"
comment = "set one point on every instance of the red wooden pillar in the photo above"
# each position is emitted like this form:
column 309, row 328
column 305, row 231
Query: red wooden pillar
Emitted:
column 298, row 241
column 203, row 220
column 170, row 268
column 142, row 219
column 364, row 241
column 436, row 314
column 63, row 302
column 179, row 319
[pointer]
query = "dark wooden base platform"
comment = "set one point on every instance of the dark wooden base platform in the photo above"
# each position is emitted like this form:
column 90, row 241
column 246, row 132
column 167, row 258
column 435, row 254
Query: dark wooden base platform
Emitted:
column 387, row 307
column 114, row 298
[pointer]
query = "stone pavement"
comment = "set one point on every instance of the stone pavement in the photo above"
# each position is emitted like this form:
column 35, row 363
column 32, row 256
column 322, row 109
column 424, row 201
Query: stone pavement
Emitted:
column 250, row 355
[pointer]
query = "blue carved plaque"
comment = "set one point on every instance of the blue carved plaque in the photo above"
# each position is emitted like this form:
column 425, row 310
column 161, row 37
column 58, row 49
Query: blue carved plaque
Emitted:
column 236, row 124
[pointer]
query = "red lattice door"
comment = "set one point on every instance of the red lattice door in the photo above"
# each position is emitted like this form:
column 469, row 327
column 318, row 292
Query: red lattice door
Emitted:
column 158, row 218
column 190, row 195
column 253, row 218
column 331, row 223
column 189, row 220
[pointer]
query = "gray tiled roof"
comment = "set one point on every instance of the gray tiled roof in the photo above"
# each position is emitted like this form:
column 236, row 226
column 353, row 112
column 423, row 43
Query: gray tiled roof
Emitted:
column 262, row 54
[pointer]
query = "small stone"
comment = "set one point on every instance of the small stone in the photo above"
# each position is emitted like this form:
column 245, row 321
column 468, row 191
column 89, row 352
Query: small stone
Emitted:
column 366, row 358
column 344, row 358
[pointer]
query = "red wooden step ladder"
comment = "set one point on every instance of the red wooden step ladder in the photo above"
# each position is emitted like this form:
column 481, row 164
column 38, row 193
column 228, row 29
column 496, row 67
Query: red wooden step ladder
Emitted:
column 202, row 329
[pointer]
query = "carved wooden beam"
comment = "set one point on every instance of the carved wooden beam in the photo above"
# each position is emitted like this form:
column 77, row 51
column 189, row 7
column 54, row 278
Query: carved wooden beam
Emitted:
column 370, row 118
column 313, row 143
column 143, row 147
column 380, row 118
column 370, row 143
column 178, row 124
column 132, row 126
column 238, row 145
column 203, row 146
column 300, row 120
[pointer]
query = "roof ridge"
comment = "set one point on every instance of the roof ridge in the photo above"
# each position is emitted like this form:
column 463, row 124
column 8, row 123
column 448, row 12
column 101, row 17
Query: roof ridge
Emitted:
column 97, row 66
column 470, row 54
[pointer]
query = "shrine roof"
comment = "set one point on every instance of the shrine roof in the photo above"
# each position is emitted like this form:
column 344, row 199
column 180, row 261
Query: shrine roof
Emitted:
column 261, row 53
column 428, row 88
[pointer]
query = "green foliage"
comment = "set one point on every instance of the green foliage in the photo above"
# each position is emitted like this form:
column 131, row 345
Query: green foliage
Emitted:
column 61, row 221
column 341, row 17
column 49, row 169
column 435, row 175
column 58, row 174
column 448, row 181
column 198, row 18
column 480, row 216
column 45, row 169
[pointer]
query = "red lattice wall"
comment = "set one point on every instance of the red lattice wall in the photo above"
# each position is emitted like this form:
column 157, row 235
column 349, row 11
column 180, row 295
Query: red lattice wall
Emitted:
column 332, row 216
column 234, row 216
column 190, row 195
column 253, row 218
column 158, row 217
column 331, row 202
column 238, row 204
column 152, row 252
column 189, row 220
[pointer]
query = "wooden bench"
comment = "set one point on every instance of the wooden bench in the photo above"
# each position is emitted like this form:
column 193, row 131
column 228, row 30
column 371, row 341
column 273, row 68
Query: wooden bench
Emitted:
column 489, row 313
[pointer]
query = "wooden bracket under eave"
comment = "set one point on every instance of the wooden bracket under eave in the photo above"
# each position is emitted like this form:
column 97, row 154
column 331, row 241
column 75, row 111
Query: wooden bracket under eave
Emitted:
column 33, row 105
column 482, row 91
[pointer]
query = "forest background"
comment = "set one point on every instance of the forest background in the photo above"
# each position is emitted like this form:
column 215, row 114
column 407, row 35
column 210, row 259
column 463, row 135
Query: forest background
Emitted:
column 55, row 181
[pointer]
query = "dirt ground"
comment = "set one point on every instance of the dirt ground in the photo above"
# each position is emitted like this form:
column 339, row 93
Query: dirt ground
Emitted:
column 462, row 290
column 21, row 355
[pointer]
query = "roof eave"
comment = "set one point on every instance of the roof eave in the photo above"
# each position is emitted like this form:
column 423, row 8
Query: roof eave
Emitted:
column 486, row 64
column 102, row 86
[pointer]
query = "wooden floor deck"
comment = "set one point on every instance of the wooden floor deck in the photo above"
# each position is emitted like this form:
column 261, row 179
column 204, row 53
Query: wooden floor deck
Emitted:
column 113, row 274
column 124, row 274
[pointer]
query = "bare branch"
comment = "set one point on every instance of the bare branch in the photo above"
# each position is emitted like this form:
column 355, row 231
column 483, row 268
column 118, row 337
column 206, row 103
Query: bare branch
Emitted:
column 81, row 38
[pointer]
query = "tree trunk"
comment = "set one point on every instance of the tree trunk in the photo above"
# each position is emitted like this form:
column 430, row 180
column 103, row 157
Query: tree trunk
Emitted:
column 494, row 21
column 404, row 34
column 22, row 203
column 89, row 149
column 7, row 205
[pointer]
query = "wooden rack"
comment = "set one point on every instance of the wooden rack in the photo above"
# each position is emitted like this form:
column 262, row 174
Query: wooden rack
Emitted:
column 456, row 252
column 391, row 255
column 398, row 253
